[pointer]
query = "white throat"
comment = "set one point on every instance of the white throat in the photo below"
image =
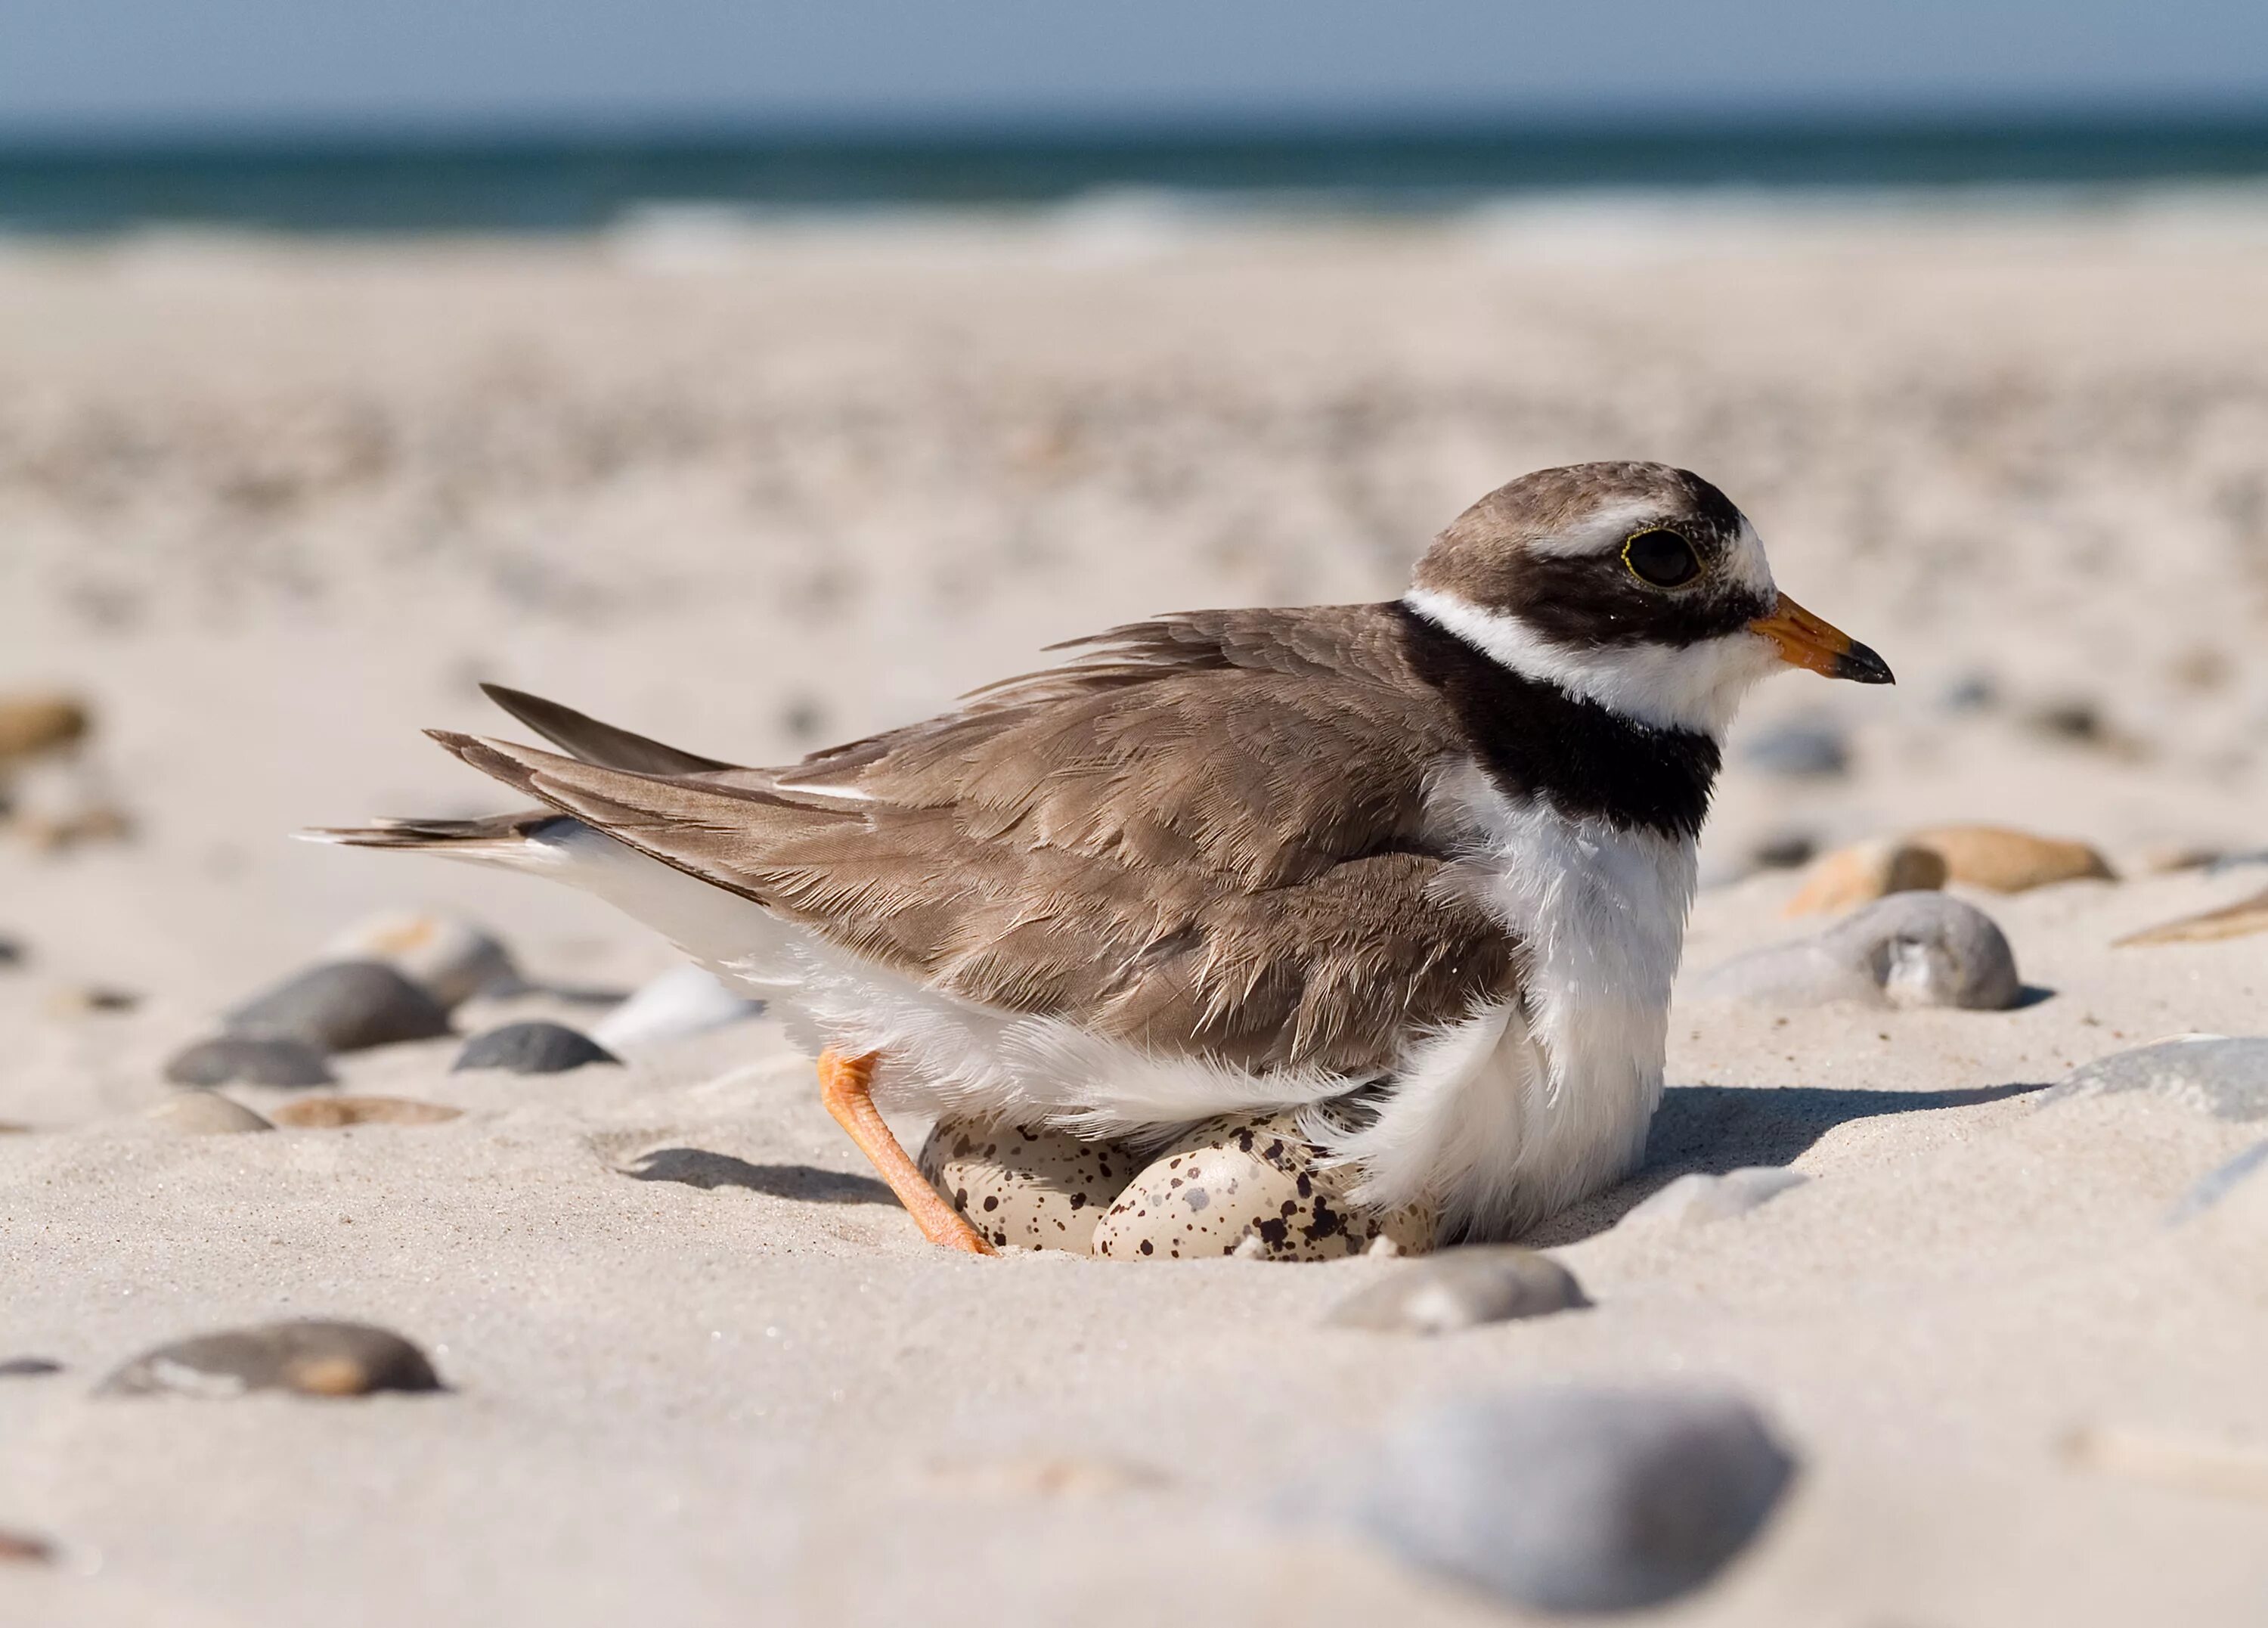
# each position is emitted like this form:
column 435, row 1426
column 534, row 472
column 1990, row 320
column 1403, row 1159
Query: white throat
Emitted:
column 1693, row 687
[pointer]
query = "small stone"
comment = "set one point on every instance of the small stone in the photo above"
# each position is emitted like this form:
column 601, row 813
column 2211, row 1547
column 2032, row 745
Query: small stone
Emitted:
column 1234, row 1177
column 2169, row 858
column 23, row 1549
column 2218, row 1184
column 1578, row 1500
column 11, row 955
column 451, row 959
column 2002, row 860
column 33, row 725
column 685, row 1000
column 1784, row 850
column 2227, row 862
column 1972, row 692
column 2227, row 1078
column 344, row 1005
column 2073, row 718
column 1800, row 751
column 1912, row 949
column 1864, row 872
column 1039, row 1189
column 205, row 1113
column 250, row 1059
column 331, row 1113
column 28, row 1368
column 2239, row 920
column 82, row 1000
column 1462, row 1288
column 531, row 1048
column 314, row 1358
column 1695, row 1199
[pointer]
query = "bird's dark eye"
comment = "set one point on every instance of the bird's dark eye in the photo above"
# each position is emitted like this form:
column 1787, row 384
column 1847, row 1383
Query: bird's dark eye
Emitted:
column 1661, row 557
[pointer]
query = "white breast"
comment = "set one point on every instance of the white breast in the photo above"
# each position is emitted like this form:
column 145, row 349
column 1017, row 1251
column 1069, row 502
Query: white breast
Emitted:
column 1528, row 1107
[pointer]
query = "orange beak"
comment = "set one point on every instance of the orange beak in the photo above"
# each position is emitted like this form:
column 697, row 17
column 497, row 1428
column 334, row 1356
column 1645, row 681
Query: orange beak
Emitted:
column 1805, row 641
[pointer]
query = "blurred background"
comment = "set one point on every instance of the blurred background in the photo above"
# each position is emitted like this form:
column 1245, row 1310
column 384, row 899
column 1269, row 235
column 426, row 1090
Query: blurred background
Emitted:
column 757, row 375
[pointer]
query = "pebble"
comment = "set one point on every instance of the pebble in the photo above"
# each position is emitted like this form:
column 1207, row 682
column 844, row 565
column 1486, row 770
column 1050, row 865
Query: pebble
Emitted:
column 32, row 726
column 685, row 1000
column 2224, row 863
column 1462, row 1288
column 1578, row 1499
column 344, row 1005
column 314, row 1358
column 2218, row 1184
column 2003, row 860
column 28, row 1368
column 253, row 1059
column 1972, row 692
column 2227, row 1078
column 11, row 954
column 81, row 1001
column 1696, row 1198
column 450, row 958
column 531, row 1048
column 1864, row 872
column 331, row 1113
column 1912, row 949
column 2239, row 920
column 23, row 1549
column 1043, row 1190
column 1231, row 1178
column 205, row 1113
column 1800, row 751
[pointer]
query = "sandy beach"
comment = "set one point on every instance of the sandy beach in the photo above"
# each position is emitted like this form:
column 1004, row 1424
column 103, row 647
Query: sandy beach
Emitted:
column 271, row 509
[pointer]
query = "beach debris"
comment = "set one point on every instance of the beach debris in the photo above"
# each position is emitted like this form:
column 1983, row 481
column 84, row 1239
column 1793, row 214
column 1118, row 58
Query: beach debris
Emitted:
column 1696, row 1198
column 35, row 725
column 1578, row 1499
column 250, row 1059
column 1808, row 750
column 2072, row 718
column 2227, row 862
column 85, row 1000
column 205, row 1113
column 1784, row 851
column 2210, row 1073
column 685, row 1000
column 450, row 958
column 24, row 1549
column 2217, row 1468
column 1971, row 692
column 311, row 1357
column 332, row 1112
column 535, row 1047
column 2239, row 920
column 29, row 1368
column 2169, row 858
column 343, row 1006
column 1912, row 949
column 2000, row 859
column 90, row 823
column 1232, row 1177
column 1864, row 872
column 1041, row 1188
column 2218, row 1183
column 12, row 952
column 1462, row 1288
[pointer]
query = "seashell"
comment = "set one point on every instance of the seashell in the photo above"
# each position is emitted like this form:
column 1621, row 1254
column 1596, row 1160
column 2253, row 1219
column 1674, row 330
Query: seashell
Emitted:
column 1864, row 872
column 2230, row 921
column 205, row 1113
column 1233, row 1179
column 331, row 1113
column 1043, row 1190
column 2003, row 860
column 314, row 1358
column 31, row 725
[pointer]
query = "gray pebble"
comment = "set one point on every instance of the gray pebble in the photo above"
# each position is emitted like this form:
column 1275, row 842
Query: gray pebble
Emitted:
column 1462, row 1289
column 253, row 1059
column 1578, row 1500
column 1806, row 751
column 1972, row 692
column 11, row 954
column 1695, row 1199
column 2218, row 1185
column 205, row 1113
column 28, row 1368
column 314, row 1358
column 531, row 1048
column 1912, row 949
column 2227, row 1078
column 344, row 1005
column 2221, row 864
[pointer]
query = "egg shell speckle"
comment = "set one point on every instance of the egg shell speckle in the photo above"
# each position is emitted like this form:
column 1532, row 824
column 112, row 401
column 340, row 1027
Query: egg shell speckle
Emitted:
column 1039, row 1189
column 1234, row 1179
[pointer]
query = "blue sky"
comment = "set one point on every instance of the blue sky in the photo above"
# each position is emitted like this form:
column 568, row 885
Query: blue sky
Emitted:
column 111, row 66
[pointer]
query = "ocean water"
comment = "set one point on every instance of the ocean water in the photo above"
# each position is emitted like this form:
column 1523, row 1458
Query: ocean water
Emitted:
column 585, row 183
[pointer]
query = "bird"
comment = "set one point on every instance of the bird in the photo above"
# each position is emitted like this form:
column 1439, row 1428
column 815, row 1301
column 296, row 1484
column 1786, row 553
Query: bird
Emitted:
column 1418, row 870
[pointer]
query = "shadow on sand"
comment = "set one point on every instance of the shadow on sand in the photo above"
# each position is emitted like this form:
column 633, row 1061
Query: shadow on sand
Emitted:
column 696, row 1166
column 1713, row 1129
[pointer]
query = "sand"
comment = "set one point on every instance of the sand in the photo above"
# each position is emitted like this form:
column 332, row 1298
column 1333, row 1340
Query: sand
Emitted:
column 272, row 509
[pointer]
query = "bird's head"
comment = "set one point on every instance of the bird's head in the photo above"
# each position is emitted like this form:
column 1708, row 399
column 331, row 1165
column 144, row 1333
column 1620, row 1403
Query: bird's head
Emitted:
column 1633, row 584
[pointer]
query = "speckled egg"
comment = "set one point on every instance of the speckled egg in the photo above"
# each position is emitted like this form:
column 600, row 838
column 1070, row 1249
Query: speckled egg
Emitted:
column 1044, row 1189
column 1229, row 1180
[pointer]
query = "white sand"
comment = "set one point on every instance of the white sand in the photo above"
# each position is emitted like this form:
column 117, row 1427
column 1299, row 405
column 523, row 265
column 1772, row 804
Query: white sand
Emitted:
column 276, row 510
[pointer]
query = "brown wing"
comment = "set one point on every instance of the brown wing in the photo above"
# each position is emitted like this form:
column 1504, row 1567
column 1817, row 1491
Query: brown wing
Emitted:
column 1140, row 843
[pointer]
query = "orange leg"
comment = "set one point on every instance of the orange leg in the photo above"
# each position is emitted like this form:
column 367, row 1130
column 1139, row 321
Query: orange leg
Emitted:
column 846, row 1086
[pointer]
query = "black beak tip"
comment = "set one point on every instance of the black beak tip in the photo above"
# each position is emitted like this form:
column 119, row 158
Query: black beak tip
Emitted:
column 1862, row 666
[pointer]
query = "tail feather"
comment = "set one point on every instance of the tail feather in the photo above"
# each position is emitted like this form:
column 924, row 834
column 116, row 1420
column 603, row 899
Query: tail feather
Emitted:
column 584, row 737
column 497, row 839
